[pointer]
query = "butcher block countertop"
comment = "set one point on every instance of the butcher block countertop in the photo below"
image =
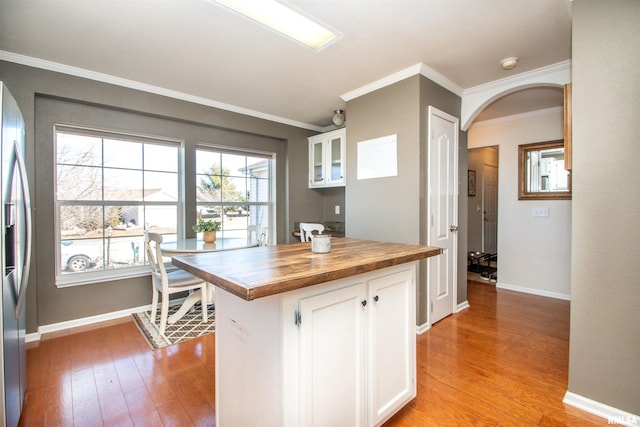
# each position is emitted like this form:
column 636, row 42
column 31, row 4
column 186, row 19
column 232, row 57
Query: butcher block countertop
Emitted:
column 259, row 272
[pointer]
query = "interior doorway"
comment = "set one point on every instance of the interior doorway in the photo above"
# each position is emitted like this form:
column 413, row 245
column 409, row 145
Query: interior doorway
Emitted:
column 483, row 214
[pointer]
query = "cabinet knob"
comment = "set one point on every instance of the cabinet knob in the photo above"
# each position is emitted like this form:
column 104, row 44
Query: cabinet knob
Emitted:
column 364, row 302
column 376, row 298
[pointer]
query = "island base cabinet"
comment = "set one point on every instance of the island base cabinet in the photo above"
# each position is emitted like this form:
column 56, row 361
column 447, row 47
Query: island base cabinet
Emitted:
column 333, row 358
column 392, row 343
column 355, row 351
column 248, row 361
column 340, row 353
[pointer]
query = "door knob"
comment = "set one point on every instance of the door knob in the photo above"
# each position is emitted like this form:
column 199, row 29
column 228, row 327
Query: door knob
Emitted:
column 453, row 228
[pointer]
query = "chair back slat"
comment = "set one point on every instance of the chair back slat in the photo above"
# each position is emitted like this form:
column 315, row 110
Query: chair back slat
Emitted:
column 257, row 234
column 155, row 259
column 307, row 227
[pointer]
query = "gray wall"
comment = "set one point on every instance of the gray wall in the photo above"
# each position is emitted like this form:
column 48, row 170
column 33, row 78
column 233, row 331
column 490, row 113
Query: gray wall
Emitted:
column 333, row 197
column 386, row 209
column 604, row 361
column 47, row 304
column 393, row 208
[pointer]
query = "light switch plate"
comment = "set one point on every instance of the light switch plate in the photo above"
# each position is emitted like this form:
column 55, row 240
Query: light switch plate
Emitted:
column 540, row 212
column 337, row 209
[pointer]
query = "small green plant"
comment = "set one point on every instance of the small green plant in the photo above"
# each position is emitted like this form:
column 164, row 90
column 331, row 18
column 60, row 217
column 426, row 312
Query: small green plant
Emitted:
column 206, row 225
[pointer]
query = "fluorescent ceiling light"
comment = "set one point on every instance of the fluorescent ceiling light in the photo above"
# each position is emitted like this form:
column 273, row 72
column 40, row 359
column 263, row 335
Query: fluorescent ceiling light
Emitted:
column 283, row 19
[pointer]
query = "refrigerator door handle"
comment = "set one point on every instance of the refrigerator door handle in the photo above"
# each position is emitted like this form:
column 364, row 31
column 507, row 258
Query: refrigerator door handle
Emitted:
column 26, row 199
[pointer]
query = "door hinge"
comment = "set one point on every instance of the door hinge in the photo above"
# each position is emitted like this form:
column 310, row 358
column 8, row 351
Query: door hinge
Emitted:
column 297, row 318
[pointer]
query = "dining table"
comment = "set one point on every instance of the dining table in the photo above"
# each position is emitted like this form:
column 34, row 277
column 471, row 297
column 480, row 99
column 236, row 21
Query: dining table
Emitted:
column 194, row 246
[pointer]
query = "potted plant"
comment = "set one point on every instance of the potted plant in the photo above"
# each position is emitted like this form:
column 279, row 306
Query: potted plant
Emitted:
column 208, row 229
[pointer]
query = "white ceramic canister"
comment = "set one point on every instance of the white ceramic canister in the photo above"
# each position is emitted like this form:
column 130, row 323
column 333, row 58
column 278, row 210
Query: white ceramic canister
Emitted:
column 321, row 243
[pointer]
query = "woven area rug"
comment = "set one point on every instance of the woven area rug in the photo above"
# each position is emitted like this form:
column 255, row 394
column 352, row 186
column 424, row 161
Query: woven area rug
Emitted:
column 188, row 327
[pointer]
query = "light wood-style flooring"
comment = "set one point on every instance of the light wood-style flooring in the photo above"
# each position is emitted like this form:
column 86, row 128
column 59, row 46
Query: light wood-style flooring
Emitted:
column 502, row 362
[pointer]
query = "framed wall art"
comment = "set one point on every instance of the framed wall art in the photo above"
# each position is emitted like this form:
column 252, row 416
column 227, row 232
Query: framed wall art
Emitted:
column 471, row 175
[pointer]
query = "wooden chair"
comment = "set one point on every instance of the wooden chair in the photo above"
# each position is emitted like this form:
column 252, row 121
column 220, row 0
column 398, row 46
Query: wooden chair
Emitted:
column 307, row 227
column 168, row 283
column 257, row 233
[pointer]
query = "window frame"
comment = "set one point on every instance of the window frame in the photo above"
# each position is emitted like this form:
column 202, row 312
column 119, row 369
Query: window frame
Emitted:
column 246, row 152
column 97, row 276
column 525, row 193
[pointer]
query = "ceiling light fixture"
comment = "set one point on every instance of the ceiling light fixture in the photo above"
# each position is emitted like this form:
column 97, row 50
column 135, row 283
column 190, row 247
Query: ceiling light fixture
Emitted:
column 284, row 20
column 338, row 117
column 509, row 63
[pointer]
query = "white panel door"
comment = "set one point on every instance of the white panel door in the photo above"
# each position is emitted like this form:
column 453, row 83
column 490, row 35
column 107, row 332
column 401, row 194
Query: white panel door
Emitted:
column 332, row 351
column 490, row 208
column 392, row 335
column 442, row 212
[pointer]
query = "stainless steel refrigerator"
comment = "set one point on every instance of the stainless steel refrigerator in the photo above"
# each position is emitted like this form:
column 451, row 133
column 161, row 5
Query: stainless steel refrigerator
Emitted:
column 15, row 253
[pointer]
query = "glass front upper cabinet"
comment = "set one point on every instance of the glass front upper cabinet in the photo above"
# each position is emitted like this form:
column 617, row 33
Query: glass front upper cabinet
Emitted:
column 327, row 159
column 316, row 163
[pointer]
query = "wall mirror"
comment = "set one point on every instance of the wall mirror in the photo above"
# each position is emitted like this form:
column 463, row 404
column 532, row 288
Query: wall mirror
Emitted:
column 541, row 172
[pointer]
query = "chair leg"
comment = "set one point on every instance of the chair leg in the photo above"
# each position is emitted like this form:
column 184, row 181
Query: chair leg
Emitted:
column 203, row 302
column 164, row 313
column 154, row 305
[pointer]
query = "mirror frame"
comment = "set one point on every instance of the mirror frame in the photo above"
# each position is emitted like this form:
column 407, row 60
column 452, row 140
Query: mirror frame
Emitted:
column 523, row 194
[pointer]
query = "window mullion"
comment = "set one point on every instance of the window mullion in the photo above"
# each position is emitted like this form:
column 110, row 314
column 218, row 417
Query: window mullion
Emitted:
column 101, row 237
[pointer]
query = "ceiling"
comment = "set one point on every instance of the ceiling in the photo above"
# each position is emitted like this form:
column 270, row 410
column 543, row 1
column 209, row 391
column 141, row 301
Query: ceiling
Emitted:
column 198, row 49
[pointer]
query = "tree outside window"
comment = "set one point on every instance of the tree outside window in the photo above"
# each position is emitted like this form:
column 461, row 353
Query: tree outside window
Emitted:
column 234, row 188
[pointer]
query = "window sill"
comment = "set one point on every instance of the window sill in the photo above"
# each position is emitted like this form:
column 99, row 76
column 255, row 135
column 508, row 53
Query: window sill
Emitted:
column 92, row 278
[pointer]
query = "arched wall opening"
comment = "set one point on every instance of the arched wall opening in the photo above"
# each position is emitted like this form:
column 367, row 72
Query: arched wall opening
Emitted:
column 475, row 99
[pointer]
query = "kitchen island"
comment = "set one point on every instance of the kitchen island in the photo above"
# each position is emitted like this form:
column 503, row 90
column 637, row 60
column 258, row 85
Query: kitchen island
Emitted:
column 307, row 339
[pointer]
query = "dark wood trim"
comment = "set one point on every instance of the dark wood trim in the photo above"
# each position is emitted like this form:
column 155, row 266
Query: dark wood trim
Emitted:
column 568, row 132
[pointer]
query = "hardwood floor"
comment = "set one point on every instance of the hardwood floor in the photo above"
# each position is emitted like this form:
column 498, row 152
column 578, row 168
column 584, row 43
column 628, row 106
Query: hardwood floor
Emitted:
column 110, row 377
column 503, row 362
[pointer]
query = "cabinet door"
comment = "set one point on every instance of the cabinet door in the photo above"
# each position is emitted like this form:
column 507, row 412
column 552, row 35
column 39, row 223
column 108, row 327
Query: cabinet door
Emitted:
column 392, row 361
column 316, row 163
column 332, row 358
column 335, row 159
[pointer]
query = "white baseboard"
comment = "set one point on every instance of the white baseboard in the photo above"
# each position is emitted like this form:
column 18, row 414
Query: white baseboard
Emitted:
column 611, row 414
column 540, row 292
column 85, row 321
column 421, row 329
column 462, row 306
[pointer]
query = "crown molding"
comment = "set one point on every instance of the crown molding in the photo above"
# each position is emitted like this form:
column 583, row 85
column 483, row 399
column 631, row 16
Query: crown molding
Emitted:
column 520, row 79
column 157, row 90
column 443, row 81
column 416, row 69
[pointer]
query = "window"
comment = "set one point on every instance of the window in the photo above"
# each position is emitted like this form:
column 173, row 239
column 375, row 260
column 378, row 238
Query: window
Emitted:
column 110, row 187
column 234, row 188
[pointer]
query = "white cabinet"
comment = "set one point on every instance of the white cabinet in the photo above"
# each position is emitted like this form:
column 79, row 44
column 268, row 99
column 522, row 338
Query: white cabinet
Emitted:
column 327, row 159
column 392, row 344
column 340, row 353
column 333, row 358
column 357, row 351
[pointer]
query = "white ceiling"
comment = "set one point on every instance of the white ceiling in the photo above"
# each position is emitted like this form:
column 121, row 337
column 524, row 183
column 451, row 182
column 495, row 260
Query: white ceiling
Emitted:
column 196, row 48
